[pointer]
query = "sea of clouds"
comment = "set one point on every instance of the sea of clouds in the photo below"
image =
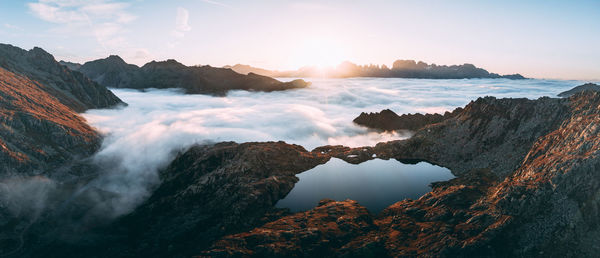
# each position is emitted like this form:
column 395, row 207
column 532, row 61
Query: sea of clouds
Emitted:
column 145, row 136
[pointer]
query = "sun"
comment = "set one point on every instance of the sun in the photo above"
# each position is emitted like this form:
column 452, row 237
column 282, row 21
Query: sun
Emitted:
column 319, row 52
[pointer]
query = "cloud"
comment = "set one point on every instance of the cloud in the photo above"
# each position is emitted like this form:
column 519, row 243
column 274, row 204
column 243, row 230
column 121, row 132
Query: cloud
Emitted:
column 104, row 20
column 145, row 136
column 216, row 3
column 12, row 27
column 181, row 26
column 181, row 20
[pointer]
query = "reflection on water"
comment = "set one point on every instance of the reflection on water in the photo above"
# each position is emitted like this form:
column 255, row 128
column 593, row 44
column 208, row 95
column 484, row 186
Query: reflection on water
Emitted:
column 375, row 184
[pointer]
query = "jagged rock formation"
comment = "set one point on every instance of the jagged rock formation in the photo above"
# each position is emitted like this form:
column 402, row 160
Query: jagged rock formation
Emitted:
column 580, row 88
column 71, row 88
column 400, row 69
column 114, row 72
column 387, row 120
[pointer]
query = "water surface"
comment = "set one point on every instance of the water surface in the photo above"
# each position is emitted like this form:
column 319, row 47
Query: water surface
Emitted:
column 375, row 184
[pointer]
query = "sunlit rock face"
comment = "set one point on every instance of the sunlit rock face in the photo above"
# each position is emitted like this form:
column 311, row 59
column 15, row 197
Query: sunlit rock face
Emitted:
column 70, row 88
column 38, row 132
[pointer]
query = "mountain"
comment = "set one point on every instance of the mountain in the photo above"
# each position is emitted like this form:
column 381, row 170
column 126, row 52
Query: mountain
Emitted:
column 580, row 88
column 114, row 72
column 400, row 69
column 71, row 88
column 39, row 101
column 110, row 72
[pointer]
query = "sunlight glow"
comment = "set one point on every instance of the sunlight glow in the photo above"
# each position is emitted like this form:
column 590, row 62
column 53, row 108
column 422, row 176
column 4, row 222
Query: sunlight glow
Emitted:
column 318, row 51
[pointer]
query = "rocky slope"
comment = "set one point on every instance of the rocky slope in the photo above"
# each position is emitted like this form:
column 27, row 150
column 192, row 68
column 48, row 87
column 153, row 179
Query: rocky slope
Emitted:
column 71, row 88
column 399, row 69
column 580, row 88
column 38, row 131
column 39, row 101
column 44, row 145
column 115, row 72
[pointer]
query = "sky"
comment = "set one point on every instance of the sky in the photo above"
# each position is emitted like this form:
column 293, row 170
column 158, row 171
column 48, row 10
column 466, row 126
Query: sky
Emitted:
column 539, row 39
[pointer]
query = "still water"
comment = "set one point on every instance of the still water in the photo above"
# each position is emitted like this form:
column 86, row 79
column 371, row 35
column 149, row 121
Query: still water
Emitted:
column 375, row 184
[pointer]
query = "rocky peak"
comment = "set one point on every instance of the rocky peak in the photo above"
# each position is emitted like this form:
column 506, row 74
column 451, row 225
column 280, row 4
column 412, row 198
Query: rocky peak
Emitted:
column 69, row 87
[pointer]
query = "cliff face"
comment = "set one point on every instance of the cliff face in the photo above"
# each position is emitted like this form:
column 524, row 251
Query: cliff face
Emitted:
column 114, row 72
column 71, row 88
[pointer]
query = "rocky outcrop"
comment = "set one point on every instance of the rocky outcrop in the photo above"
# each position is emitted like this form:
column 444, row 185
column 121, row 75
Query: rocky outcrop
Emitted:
column 114, row 72
column 71, row 88
column 580, row 88
column 400, row 69
column 387, row 120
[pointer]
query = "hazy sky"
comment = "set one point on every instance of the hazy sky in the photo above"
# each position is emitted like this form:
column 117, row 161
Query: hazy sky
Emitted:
column 542, row 39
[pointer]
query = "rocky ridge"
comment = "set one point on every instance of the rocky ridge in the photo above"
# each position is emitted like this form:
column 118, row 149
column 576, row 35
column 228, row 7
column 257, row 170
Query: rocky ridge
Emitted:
column 71, row 88
column 39, row 101
column 115, row 72
column 399, row 69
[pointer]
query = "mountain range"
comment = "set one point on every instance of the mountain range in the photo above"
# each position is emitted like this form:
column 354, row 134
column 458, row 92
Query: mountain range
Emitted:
column 399, row 69
column 114, row 72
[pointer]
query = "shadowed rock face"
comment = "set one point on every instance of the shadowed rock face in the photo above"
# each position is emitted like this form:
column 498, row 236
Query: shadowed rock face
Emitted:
column 580, row 88
column 114, row 72
column 71, row 88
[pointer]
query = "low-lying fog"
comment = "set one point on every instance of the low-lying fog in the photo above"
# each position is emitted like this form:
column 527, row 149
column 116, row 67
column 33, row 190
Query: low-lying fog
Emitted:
column 144, row 136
